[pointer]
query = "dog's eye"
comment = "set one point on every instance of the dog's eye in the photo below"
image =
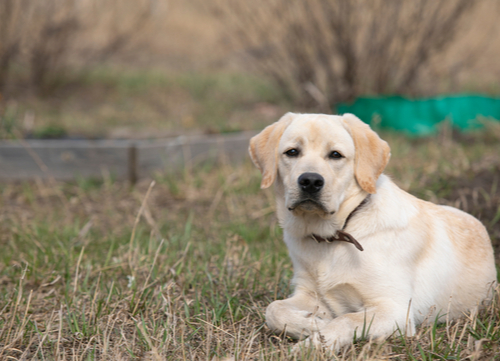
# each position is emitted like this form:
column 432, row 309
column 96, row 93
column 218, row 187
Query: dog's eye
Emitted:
column 335, row 155
column 292, row 152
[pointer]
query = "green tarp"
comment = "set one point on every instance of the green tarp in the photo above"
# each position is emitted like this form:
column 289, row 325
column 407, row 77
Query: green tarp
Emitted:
column 420, row 117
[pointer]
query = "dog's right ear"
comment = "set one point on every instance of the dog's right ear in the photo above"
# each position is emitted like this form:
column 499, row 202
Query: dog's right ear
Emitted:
column 264, row 149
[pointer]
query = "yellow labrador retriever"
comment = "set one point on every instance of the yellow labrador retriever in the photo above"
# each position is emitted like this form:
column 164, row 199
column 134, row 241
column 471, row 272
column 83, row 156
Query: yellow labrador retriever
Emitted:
column 366, row 255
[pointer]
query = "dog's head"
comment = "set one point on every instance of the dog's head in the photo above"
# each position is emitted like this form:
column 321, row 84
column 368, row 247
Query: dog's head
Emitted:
column 319, row 160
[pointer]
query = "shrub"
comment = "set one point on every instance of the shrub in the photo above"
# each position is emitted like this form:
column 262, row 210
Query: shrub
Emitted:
column 330, row 51
column 46, row 37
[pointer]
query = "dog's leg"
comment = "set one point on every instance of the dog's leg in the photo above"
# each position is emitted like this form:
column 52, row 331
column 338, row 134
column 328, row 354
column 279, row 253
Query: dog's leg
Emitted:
column 298, row 316
column 374, row 323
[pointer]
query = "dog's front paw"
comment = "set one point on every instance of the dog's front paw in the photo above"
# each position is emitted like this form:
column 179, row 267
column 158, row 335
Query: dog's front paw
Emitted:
column 313, row 321
column 314, row 341
column 318, row 341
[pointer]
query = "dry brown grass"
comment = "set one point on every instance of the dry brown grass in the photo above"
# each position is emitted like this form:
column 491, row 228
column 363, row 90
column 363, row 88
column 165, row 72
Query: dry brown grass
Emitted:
column 80, row 279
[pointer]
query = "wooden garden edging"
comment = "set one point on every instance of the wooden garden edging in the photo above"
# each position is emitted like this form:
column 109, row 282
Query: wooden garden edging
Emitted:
column 123, row 159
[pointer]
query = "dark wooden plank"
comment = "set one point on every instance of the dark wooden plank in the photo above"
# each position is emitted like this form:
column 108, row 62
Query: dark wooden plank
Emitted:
column 67, row 159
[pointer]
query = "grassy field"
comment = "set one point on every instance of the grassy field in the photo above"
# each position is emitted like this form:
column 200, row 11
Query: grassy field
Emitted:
column 133, row 103
column 183, row 268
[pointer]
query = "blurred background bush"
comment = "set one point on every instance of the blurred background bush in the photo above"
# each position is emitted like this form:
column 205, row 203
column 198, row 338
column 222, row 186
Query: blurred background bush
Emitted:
column 324, row 51
column 146, row 68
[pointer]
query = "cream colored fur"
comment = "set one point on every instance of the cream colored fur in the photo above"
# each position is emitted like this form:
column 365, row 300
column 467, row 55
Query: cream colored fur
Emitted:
column 419, row 260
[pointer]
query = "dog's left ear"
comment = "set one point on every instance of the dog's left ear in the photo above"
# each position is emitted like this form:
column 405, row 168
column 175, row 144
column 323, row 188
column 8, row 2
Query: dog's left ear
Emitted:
column 264, row 149
column 372, row 153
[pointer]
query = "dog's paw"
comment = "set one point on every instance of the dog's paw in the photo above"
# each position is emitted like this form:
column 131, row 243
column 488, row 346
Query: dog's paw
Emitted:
column 312, row 342
column 318, row 341
column 314, row 321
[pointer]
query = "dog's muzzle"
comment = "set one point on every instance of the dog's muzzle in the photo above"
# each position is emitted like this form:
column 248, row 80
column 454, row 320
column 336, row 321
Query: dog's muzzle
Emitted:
column 308, row 197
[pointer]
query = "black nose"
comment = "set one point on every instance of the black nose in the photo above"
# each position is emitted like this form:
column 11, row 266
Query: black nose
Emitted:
column 311, row 182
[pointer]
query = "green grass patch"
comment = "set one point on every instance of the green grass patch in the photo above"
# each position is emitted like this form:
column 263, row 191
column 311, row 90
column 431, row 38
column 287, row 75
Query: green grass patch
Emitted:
column 147, row 103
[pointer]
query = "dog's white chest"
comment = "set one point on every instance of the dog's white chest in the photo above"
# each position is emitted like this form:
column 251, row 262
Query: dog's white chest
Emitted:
column 329, row 270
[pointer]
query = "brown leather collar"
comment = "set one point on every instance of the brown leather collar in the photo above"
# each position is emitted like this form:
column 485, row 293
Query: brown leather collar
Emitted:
column 341, row 235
